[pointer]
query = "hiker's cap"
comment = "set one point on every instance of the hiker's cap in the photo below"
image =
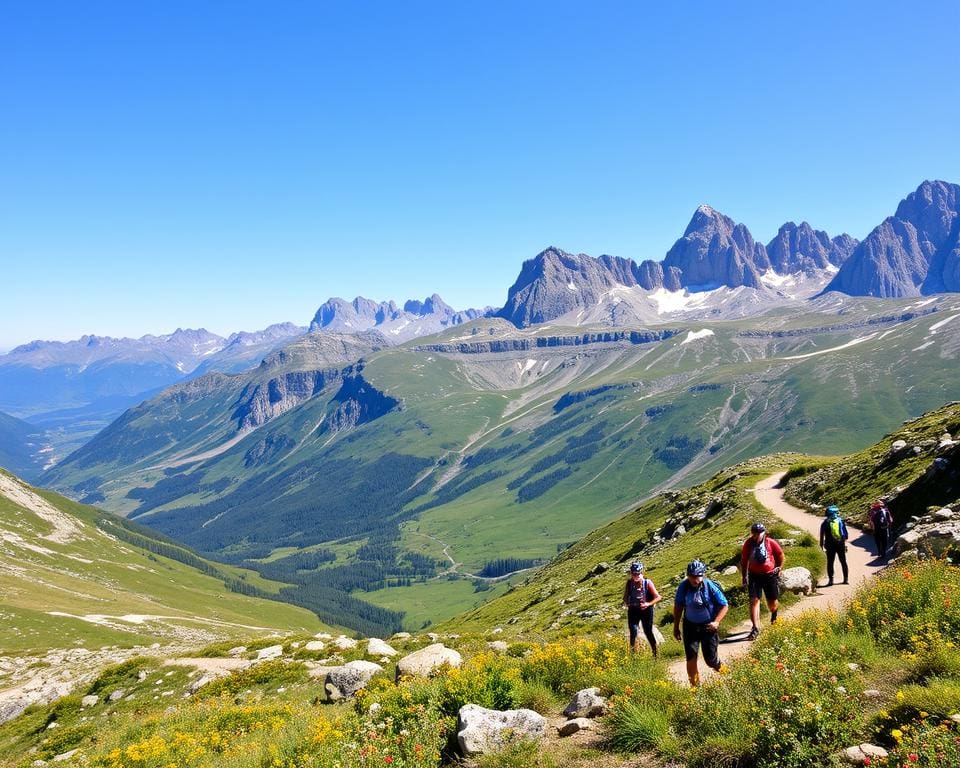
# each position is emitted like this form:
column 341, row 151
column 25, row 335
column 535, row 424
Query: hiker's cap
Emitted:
column 636, row 567
column 833, row 509
column 696, row 568
column 758, row 527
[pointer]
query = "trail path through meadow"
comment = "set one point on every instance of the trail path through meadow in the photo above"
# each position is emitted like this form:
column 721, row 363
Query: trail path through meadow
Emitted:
column 860, row 558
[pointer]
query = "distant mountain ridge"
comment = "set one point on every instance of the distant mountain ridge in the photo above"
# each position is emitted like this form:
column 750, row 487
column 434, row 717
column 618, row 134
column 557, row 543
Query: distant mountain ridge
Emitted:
column 416, row 318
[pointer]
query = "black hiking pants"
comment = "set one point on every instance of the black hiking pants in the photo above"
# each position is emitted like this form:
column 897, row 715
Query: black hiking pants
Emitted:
column 636, row 618
column 837, row 551
column 882, row 537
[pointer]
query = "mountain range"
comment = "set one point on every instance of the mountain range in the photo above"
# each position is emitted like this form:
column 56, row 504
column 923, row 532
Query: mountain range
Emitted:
column 370, row 461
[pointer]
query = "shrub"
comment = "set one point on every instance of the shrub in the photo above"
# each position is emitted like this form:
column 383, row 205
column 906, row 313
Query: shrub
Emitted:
column 519, row 754
column 927, row 742
column 566, row 667
column 272, row 673
column 487, row 680
column 638, row 725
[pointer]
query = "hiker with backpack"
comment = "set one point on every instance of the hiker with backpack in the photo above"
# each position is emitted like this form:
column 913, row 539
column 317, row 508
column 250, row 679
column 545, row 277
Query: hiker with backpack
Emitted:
column 833, row 540
column 881, row 521
column 639, row 597
column 702, row 605
column 761, row 559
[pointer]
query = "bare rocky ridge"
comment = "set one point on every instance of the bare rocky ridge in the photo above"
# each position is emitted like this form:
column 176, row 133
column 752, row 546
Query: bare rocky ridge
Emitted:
column 914, row 252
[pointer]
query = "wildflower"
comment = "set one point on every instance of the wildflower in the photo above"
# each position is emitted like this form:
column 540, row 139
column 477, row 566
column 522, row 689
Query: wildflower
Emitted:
column 897, row 735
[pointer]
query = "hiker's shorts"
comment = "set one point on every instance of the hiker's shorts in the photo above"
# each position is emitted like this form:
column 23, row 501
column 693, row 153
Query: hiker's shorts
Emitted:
column 697, row 637
column 763, row 584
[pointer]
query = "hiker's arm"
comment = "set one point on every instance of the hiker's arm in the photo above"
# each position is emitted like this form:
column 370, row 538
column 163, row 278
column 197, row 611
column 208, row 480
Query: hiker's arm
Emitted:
column 715, row 624
column 626, row 593
column 744, row 556
column 677, row 613
column 778, row 555
column 657, row 597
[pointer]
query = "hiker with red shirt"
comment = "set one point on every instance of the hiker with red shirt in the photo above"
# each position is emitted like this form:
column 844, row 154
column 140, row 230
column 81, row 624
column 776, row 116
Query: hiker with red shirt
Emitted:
column 881, row 521
column 761, row 559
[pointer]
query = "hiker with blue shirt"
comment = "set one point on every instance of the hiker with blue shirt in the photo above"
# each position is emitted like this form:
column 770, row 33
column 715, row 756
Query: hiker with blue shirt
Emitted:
column 833, row 540
column 702, row 605
column 639, row 597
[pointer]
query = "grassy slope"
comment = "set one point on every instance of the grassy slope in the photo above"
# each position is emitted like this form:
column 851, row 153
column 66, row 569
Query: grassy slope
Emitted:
column 743, row 392
column 96, row 575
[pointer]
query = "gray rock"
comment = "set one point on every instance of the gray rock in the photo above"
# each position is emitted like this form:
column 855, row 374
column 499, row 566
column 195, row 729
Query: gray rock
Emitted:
column 343, row 643
column 314, row 645
column 858, row 754
column 64, row 756
column 586, row 703
column 377, row 647
column 797, row 580
column 345, row 681
column 500, row 646
column 401, row 636
column 481, row 730
column 270, row 652
column 426, row 660
column 89, row 701
column 117, row 695
column 575, row 726
column 237, row 650
column 12, row 709
column 897, row 446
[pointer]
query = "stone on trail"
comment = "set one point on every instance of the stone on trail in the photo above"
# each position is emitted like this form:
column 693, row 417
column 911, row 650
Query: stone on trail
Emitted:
column 481, row 730
column 797, row 579
column 575, row 726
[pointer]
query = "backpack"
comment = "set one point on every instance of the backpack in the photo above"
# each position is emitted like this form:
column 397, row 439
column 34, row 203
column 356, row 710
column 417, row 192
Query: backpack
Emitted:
column 883, row 517
column 835, row 530
column 760, row 551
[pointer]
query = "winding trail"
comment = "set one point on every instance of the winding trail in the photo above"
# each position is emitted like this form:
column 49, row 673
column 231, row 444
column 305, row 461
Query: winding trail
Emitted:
column 863, row 565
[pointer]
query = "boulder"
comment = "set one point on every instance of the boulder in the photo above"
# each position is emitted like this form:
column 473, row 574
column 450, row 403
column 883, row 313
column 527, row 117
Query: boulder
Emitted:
column 237, row 650
column 377, row 647
column 797, row 580
column 344, row 643
column 500, row 646
column 426, row 660
column 586, row 703
column 89, row 701
column 575, row 726
column 314, row 645
column 117, row 695
column 12, row 709
column 351, row 677
column 401, row 636
column 481, row 730
column 270, row 652
column 864, row 754
column 64, row 756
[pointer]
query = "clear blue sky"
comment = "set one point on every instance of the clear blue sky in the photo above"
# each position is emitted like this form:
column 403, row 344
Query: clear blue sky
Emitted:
column 233, row 164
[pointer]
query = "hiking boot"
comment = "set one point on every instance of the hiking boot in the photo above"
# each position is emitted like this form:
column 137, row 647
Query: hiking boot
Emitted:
column 830, row 583
column 754, row 633
column 846, row 581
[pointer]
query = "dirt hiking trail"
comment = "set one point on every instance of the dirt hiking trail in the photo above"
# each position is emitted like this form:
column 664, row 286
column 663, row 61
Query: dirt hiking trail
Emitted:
column 863, row 565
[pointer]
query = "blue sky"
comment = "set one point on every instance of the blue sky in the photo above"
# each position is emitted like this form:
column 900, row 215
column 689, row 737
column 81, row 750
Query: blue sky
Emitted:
column 233, row 164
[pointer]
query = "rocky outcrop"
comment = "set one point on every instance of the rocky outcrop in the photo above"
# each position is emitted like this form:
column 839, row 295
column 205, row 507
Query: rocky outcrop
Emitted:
column 540, row 342
column 555, row 282
column 358, row 402
column 916, row 251
column 801, row 248
column 259, row 403
column 714, row 251
column 481, row 730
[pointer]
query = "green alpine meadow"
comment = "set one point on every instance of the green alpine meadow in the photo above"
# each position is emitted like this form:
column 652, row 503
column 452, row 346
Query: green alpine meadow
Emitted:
column 376, row 480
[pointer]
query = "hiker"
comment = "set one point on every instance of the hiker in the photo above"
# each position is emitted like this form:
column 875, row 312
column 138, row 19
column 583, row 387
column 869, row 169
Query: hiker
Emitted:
column 702, row 605
column 639, row 597
column 881, row 521
column 761, row 559
column 833, row 540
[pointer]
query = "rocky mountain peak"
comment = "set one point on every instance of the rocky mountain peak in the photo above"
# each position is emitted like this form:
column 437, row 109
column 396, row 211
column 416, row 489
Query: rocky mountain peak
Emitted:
column 916, row 251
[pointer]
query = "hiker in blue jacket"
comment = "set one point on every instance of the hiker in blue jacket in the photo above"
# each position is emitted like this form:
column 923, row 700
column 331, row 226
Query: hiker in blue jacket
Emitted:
column 833, row 540
column 702, row 605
